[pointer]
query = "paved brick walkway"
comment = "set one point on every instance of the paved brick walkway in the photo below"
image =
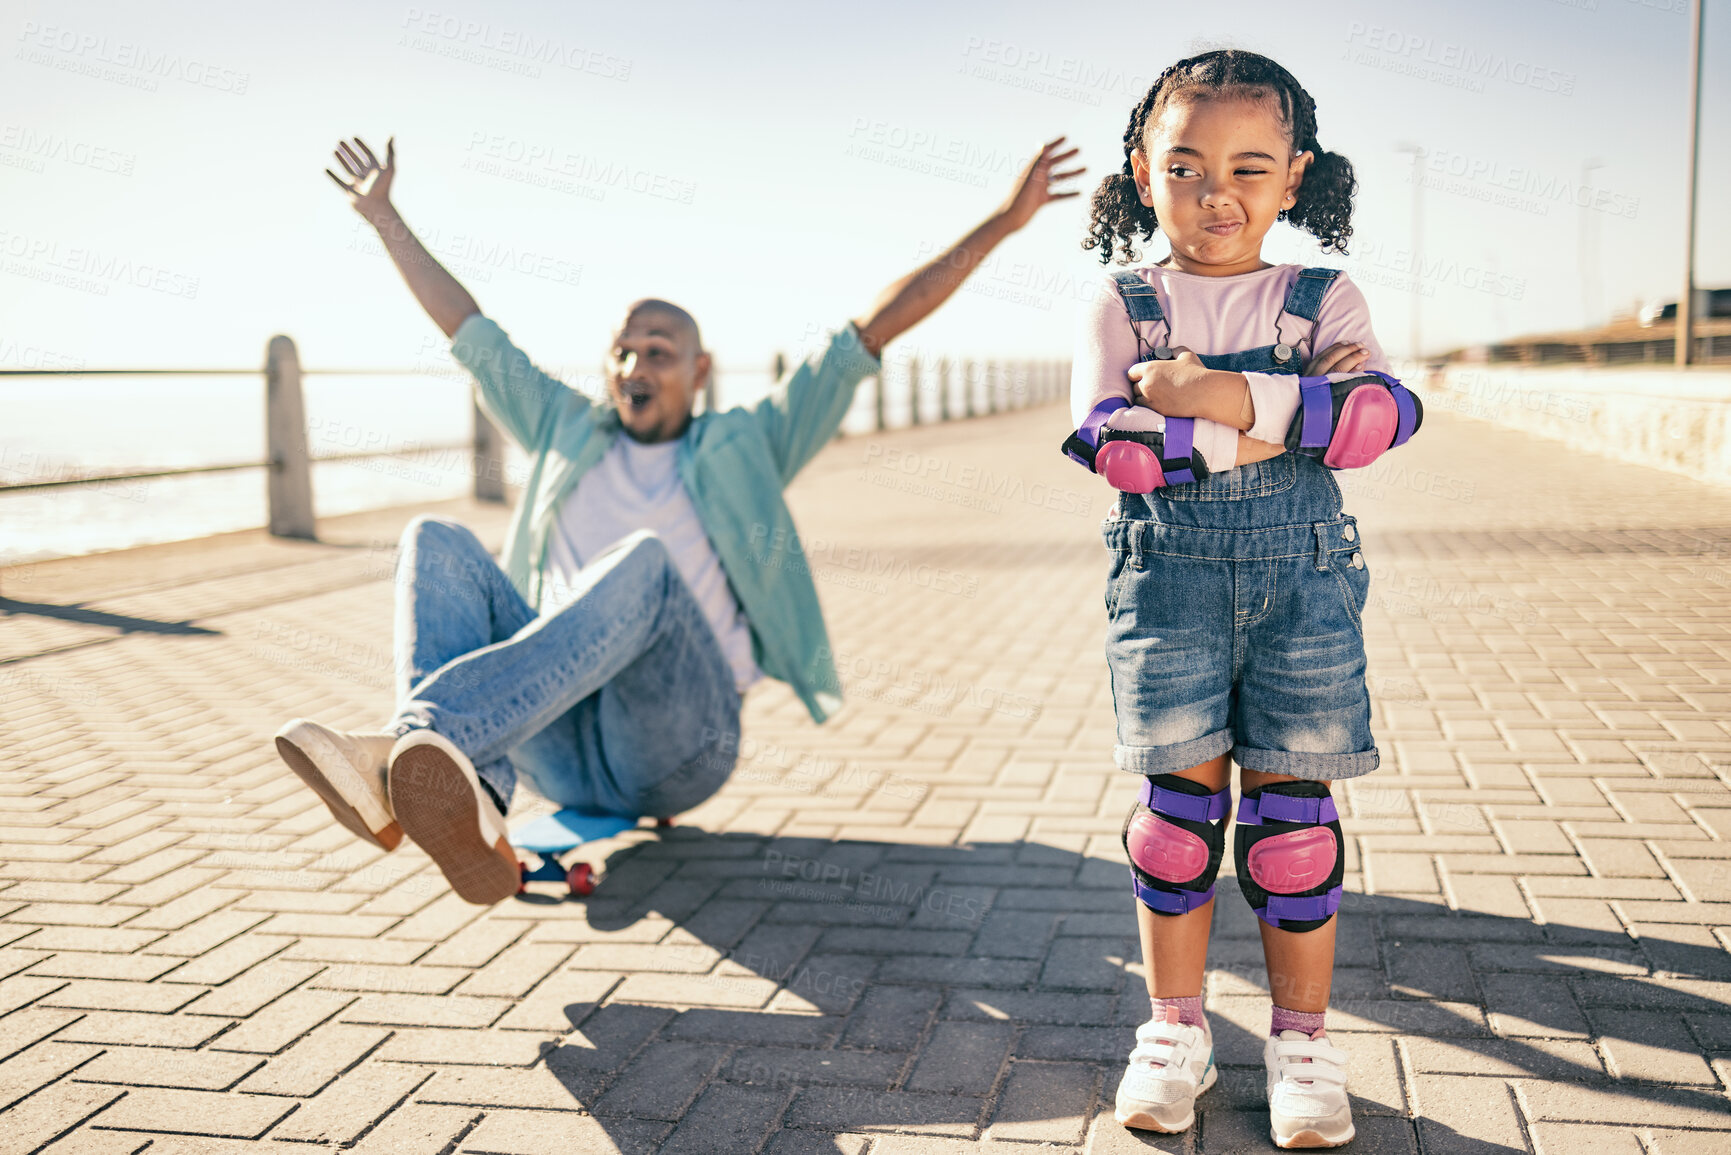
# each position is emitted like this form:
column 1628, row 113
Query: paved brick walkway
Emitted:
column 907, row 931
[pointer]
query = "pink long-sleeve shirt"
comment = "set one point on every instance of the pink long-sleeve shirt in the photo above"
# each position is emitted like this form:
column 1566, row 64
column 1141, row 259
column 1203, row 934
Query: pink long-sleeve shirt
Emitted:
column 1211, row 315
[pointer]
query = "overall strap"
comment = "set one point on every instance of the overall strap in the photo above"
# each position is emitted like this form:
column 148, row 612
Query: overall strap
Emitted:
column 1304, row 299
column 1139, row 299
column 1142, row 305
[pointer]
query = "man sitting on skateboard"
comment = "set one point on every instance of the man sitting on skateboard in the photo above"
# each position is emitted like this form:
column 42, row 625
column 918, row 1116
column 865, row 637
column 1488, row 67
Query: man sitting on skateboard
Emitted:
column 637, row 600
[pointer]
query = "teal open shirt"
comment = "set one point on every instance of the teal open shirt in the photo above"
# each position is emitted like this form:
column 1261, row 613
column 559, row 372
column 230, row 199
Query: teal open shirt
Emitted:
column 734, row 463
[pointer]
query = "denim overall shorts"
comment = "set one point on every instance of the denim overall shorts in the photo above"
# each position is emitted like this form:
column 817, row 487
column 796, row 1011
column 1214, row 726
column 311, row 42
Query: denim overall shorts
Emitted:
column 1235, row 604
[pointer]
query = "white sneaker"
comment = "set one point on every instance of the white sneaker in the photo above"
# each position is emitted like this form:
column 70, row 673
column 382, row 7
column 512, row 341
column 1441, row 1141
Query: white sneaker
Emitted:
column 447, row 812
column 348, row 772
column 1171, row 1065
column 1307, row 1102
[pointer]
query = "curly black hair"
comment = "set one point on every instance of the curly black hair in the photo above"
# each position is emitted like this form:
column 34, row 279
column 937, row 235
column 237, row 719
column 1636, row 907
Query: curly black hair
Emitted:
column 1324, row 204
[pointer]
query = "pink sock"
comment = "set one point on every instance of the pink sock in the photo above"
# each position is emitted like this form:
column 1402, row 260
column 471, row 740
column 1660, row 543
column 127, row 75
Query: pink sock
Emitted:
column 1309, row 1022
column 1189, row 1008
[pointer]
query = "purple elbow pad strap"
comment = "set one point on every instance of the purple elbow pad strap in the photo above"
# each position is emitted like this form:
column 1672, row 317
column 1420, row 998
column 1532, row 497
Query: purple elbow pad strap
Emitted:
column 1411, row 413
column 1180, row 446
column 1082, row 445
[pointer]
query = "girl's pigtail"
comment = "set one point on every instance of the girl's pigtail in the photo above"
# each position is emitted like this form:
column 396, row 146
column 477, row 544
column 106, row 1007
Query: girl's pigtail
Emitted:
column 1324, row 205
column 1118, row 214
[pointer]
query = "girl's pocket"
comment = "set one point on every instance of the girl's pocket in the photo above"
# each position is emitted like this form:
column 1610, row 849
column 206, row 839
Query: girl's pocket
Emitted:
column 1115, row 571
column 1352, row 575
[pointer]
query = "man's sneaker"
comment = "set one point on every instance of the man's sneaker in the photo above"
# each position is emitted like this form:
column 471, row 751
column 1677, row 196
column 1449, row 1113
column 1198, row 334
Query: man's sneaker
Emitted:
column 446, row 811
column 348, row 772
column 1307, row 1103
column 1171, row 1065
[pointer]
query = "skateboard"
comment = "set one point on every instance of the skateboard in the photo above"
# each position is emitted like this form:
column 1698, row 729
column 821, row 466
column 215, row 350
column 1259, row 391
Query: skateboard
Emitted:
column 551, row 835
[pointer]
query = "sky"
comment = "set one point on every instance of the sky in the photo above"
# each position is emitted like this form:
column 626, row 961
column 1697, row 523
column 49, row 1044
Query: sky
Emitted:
column 772, row 166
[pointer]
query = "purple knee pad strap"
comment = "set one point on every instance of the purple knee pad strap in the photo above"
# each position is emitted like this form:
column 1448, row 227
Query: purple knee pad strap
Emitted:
column 1196, row 808
column 1289, row 908
column 1172, row 901
column 1285, row 808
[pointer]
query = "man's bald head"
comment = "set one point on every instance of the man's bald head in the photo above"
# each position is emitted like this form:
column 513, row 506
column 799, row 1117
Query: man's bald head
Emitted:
column 653, row 314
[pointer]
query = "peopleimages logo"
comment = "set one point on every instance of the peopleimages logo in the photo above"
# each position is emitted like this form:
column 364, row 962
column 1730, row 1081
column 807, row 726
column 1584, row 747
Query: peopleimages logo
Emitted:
column 1492, row 176
column 1442, row 61
column 106, row 58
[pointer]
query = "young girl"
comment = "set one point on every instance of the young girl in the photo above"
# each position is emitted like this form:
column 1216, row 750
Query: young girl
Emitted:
column 1237, row 583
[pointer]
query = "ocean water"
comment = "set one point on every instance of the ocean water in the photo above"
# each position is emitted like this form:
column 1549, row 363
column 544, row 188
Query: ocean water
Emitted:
column 54, row 427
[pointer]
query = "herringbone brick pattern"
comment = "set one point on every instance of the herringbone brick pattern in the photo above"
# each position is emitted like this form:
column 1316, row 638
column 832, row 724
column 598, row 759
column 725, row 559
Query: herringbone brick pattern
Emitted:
column 909, row 930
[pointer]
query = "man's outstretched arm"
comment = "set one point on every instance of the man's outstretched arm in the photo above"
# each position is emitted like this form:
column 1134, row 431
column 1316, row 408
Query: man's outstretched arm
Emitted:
column 916, row 296
column 804, row 412
column 512, row 391
column 440, row 294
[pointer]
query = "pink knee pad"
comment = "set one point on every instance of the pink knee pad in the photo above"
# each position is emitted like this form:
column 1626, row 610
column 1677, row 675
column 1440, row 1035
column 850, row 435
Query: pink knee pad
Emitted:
column 1169, row 853
column 1287, row 846
column 1295, row 861
column 1369, row 419
column 1129, row 466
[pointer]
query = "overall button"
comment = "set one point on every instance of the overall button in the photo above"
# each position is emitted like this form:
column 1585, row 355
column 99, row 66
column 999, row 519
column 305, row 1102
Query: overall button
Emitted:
column 1348, row 533
column 1357, row 560
column 1282, row 351
column 1162, row 353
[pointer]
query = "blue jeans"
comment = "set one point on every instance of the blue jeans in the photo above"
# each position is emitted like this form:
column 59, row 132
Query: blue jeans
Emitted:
column 617, row 701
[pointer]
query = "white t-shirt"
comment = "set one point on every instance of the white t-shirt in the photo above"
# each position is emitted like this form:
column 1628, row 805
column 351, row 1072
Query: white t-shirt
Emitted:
column 633, row 487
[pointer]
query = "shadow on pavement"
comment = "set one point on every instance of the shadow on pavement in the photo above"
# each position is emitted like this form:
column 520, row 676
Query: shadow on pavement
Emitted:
column 121, row 622
column 1008, row 974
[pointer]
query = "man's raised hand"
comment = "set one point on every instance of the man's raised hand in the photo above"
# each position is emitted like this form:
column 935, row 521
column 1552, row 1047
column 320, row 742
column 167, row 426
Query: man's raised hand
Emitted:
column 370, row 191
column 1035, row 186
column 439, row 293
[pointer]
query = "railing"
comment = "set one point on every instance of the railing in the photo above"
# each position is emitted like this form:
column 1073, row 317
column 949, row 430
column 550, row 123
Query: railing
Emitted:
column 1620, row 343
column 988, row 386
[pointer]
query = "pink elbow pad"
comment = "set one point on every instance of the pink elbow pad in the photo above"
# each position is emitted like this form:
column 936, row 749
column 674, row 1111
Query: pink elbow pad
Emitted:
column 1349, row 424
column 1136, row 461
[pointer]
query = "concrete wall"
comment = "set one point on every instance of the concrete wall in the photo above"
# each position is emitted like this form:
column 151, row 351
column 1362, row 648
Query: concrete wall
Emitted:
column 1657, row 416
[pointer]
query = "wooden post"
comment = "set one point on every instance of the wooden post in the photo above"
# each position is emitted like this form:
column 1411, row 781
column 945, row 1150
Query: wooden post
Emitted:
column 288, row 481
column 913, row 391
column 968, row 387
column 489, row 459
column 991, row 390
column 878, row 398
column 778, row 368
column 944, row 388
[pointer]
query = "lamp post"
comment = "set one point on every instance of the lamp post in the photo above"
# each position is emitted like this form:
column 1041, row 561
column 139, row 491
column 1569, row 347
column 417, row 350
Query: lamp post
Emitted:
column 1686, row 302
column 1588, row 253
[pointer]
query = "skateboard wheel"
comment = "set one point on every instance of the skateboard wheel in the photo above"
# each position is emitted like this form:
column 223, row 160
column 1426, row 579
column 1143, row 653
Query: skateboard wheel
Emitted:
column 581, row 879
column 663, row 823
column 522, row 882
